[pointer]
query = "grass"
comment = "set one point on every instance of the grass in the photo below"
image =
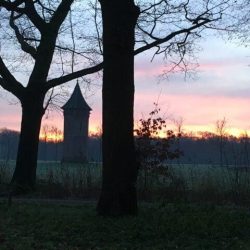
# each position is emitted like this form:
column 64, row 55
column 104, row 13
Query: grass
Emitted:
column 186, row 182
column 158, row 226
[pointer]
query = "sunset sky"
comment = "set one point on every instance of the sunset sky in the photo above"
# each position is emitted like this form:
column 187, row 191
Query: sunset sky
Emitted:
column 220, row 89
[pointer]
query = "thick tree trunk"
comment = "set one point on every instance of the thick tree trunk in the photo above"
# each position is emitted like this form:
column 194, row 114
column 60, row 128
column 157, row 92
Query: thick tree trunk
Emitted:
column 24, row 177
column 118, row 195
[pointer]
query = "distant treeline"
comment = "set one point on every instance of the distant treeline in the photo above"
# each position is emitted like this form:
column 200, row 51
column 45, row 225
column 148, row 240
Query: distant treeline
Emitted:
column 224, row 151
column 205, row 149
column 48, row 150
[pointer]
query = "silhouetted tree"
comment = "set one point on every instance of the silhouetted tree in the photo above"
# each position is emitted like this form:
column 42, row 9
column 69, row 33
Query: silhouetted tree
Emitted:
column 171, row 28
column 119, row 165
column 35, row 27
column 222, row 134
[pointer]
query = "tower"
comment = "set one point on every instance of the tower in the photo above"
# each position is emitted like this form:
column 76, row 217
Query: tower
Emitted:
column 76, row 124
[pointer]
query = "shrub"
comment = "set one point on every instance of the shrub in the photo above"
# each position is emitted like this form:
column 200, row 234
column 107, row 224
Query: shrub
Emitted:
column 155, row 146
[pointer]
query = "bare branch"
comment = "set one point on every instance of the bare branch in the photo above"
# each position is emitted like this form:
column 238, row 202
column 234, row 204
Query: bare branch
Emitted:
column 152, row 6
column 73, row 41
column 13, row 6
column 60, row 14
column 75, row 52
column 61, row 59
column 31, row 12
column 45, row 8
column 49, row 99
column 171, row 36
column 20, row 38
column 60, row 80
column 99, row 40
column 9, row 82
column 28, row 9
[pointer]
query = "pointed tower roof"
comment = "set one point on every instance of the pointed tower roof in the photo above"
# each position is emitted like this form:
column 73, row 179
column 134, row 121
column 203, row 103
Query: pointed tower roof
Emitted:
column 76, row 101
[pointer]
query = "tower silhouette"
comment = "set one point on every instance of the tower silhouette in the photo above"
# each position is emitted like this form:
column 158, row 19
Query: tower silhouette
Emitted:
column 76, row 124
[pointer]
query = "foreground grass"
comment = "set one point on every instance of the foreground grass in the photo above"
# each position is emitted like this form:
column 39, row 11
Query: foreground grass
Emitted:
column 172, row 226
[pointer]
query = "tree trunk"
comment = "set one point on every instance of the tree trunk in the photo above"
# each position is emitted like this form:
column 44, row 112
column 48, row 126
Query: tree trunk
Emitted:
column 24, row 177
column 118, row 196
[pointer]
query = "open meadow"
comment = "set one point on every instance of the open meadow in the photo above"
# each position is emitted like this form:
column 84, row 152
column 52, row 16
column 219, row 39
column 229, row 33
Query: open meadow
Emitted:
column 180, row 182
column 186, row 206
column 158, row 226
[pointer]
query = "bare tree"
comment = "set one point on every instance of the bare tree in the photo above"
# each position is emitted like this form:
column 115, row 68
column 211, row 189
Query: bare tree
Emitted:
column 38, row 33
column 56, row 138
column 221, row 132
column 242, row 25
column 45, row 134
column 244, row 139
column 169, row 28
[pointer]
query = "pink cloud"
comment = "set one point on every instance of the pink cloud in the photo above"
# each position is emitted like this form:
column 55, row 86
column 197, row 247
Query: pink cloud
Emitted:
column 199, row 110
column 147, row 69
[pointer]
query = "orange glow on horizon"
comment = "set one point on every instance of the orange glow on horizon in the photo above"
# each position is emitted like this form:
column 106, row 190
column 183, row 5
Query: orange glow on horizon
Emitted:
column 199, row 112
column 51, row 137
column 195, row 129
column 189, row 130
column 95, row 131
column 58, row 137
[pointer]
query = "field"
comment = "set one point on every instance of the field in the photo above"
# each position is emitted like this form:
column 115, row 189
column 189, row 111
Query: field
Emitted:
column 181, row 182
column 158, row 226
column 187, row 207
